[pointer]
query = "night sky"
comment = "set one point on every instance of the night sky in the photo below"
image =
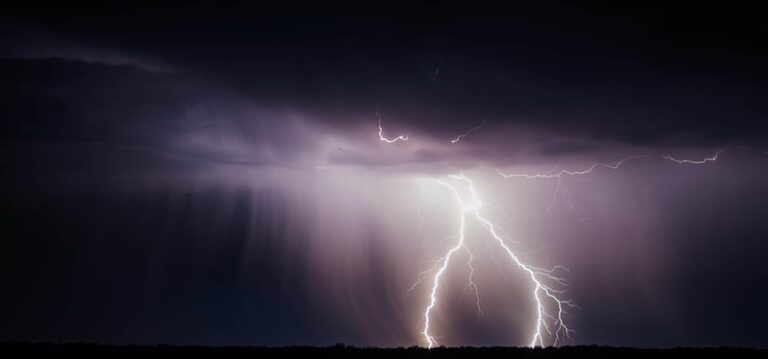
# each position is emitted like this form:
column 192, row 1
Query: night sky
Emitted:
column 212, row 172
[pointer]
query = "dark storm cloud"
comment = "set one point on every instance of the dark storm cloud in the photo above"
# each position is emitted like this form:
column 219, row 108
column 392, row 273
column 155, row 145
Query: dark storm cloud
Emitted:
column 59, row 99
column 61, row 113
column 641, row 76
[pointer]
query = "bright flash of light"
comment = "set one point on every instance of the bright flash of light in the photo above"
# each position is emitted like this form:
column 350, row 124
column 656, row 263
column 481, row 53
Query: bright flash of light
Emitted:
column 544, row 295
column 712, row 158
column 381, row 132
column 550, row 323
column 465, row 134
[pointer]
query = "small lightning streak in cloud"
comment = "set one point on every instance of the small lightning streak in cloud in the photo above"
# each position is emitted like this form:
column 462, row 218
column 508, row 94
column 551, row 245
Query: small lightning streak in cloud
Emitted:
column 546, row 325
column 465, row 134
column 381, row 132
column 712, row 158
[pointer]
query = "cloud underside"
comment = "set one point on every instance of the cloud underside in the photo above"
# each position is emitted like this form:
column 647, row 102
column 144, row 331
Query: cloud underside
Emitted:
column 183, row 116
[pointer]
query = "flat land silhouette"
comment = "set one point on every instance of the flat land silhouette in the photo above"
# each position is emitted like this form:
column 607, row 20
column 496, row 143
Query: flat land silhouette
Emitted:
column 343, row 351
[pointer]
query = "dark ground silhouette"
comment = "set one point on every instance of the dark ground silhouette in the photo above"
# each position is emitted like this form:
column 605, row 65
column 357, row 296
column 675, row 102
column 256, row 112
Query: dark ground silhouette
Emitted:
column 342, row 351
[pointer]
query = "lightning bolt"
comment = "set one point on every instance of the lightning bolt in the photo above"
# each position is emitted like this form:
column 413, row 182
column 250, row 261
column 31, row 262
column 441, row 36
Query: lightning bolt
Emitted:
column 381, row 132
column 465, row 134
column 542, row 293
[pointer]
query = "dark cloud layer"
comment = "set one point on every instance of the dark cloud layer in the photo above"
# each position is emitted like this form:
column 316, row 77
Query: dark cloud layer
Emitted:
column 640, row 75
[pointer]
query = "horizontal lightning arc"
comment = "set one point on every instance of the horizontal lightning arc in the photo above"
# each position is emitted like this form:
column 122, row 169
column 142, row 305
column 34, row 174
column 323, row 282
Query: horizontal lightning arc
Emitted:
column 560, row 191
column 712, row 158
column 562, row 173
